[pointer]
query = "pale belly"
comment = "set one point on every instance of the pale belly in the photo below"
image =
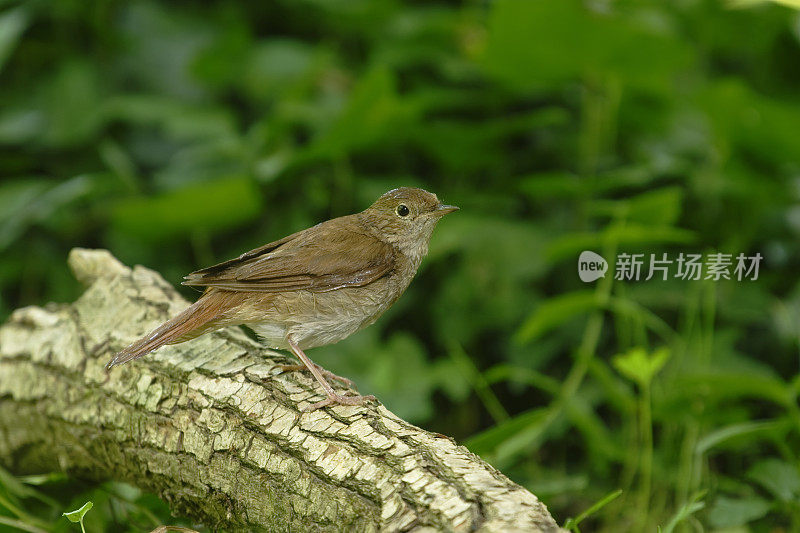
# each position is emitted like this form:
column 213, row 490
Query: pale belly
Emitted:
column 317, row 319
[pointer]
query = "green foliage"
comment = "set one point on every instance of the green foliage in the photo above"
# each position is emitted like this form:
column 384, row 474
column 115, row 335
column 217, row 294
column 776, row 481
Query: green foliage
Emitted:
column 732, row 512
column 180, row 134
column 77, row 515
column 573, row 523
column 684, row 512
column 638, row 366
column 182, row 212
column 35, row 504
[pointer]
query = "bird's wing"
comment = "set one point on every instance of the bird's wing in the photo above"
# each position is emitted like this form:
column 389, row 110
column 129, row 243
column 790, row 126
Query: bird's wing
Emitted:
column 325, row 257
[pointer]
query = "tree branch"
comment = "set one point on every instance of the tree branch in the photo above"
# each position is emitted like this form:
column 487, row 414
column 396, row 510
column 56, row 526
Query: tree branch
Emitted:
column 210, row 427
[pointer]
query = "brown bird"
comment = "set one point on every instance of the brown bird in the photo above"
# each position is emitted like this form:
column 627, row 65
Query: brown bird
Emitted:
column 314, row 287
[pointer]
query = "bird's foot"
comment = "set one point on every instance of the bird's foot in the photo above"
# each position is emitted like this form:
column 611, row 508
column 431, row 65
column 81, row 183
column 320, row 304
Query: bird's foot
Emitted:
column 328, row 374
column 338, row 399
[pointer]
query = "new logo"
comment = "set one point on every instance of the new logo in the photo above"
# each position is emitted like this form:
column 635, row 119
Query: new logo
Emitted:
column 591, row 266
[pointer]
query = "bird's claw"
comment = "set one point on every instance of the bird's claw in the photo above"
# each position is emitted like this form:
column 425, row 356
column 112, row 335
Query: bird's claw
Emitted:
column 326, row 373
column 338, row 399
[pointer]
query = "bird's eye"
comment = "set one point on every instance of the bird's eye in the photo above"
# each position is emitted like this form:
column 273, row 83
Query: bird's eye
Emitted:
column 402, row 210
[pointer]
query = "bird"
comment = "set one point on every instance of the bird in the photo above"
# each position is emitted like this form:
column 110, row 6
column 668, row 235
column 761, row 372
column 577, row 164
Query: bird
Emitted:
column 312, row 288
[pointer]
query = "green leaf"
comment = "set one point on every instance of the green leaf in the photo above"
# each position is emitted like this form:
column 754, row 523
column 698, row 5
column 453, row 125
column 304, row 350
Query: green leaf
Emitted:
column 43, row 479
column 73, row 116
column 590, row 42
column 504, row 434
column 23, row 203
column 211, row 206
column 752, row 3
column 466, row 367
column 179, row 120
column 752, row 122
column 627, row 235
column 12, row 23
column 19, row 487
column 734, row 431
column 660, row 207
column 732, row 512
column 553, row 185
column 373, row 113
column 77, row 515
column 276, row 65
column 624, row 307
column 686, row 510
column 22, row 125
column 640, row 367
column 556, row 311
column 16, row 196
column 778, row 477
column 721, row 385
column 572, row 523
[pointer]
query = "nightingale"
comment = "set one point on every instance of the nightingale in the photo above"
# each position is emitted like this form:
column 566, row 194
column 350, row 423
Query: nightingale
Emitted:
column 312, row 288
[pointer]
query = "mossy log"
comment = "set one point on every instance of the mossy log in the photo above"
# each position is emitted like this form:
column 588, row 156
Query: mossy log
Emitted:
column 215, row 430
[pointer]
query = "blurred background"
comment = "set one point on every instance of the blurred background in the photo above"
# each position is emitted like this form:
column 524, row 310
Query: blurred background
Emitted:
column 180, row 134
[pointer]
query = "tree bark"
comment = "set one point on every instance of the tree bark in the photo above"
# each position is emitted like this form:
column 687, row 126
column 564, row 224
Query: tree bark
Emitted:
column 214, row 429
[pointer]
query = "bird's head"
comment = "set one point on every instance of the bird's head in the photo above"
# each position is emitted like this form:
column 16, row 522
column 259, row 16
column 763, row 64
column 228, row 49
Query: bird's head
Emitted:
column 406, row 217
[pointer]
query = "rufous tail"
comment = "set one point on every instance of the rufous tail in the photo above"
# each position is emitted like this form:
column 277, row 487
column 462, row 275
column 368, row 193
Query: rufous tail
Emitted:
column 201, row 316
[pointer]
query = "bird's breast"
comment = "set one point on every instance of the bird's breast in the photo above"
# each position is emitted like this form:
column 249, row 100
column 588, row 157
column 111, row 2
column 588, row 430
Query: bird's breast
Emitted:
column 320, row 318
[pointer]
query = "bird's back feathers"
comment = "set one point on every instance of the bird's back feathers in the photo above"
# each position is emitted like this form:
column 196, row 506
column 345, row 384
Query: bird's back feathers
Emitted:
column 335, row 254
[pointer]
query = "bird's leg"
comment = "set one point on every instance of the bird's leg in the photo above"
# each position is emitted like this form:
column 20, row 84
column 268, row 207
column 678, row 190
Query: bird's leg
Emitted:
column 333, row 398
column 326, row 373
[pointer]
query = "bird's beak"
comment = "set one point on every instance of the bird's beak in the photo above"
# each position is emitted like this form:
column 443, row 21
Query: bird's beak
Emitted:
column 442, row 209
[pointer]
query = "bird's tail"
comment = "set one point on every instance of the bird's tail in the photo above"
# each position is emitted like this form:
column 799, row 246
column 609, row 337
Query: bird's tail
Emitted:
column 203, row 315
